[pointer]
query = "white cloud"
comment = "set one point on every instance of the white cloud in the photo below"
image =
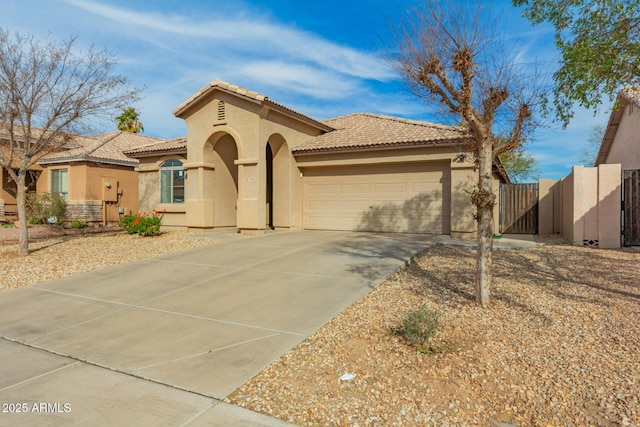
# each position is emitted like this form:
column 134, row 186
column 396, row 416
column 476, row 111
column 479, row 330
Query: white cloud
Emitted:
column 300, row 78
column 246, row 34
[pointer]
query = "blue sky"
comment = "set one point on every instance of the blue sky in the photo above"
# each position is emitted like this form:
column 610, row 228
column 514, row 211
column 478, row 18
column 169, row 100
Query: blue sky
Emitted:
column 320, row 57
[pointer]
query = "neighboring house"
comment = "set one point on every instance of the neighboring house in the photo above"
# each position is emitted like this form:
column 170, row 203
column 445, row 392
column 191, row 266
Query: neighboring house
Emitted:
column 250, row 163
column 621, row 141
column 98, row 182
column 621, row 145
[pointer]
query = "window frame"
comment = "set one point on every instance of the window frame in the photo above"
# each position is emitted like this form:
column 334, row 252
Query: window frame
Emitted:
column 62, row 183
column 172, row 168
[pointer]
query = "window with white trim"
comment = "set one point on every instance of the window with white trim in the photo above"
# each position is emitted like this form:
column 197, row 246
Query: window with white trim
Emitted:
column 60, row 182
column 172, row 182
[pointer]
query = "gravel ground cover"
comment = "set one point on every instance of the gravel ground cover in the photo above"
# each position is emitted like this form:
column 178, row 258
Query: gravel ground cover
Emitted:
column 560, row 346
column 54, row 254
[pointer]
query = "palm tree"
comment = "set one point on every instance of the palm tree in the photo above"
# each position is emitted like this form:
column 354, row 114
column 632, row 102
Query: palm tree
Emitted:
column 129, row 121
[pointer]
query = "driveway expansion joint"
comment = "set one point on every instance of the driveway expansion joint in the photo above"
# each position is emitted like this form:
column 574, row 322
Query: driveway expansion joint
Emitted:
column 79, row 360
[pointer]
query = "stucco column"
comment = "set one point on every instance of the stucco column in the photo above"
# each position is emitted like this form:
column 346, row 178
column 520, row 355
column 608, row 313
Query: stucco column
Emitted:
column 463, row 179
column 546, row 206
column 609, row 197
column 251, row 199
column 199, row 194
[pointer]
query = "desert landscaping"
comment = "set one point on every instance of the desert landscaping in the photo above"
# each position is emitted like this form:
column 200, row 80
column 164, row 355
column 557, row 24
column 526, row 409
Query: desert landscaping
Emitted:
column 558, row 346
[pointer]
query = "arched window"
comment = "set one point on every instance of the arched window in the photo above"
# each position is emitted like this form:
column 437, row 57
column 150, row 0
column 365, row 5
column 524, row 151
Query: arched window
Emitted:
column 172, row 182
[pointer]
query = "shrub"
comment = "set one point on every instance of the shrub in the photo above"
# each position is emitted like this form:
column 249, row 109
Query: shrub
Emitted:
column 45, row 208
column 418, row 326
column 142, row 223
column 78, row 224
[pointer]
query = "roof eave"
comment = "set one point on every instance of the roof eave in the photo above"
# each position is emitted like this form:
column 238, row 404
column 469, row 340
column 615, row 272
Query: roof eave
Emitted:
column 88, row 159
column 377, row 147
column 157, row 153
column 202, row 93
column 262, row 100
column 610, row 132
column 297, row 116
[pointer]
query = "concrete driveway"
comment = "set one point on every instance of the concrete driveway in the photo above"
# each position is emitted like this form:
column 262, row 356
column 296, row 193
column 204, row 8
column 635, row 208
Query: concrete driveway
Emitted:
column 163, row 341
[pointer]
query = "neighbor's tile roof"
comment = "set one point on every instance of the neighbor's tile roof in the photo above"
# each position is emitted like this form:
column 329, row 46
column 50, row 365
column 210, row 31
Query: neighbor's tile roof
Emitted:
column 365, row 130
column 249, row 95
column 104, row 148
column 178, row 145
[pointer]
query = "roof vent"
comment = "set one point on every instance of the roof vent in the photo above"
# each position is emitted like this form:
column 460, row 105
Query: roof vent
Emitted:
column 221, row 111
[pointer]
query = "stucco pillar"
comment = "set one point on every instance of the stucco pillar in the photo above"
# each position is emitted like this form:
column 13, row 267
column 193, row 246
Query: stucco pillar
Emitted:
column 199, row 192
column 251, row 198
column 546, row 206
column 463, row 179
column 609, row 197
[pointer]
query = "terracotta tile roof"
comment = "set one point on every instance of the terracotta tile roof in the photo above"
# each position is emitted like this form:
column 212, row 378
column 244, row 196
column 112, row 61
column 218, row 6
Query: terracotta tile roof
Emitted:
column 178, row 145
column 365, row 130
column 105, row 148
column 249, row 95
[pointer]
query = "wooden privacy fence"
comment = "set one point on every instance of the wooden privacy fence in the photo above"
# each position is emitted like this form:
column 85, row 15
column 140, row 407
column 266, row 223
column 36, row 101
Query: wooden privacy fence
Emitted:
column 519, row 208
column 631, row 208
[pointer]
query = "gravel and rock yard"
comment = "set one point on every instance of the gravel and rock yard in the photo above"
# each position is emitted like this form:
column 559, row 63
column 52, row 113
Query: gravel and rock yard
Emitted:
column 559, row 346
column 56, row 253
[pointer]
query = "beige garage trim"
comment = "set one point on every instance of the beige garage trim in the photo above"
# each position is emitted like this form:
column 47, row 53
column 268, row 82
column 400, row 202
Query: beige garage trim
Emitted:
column 391, row 198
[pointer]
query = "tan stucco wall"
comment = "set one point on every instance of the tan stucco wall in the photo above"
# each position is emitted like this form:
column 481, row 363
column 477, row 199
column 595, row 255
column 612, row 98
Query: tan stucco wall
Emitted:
column 609, row 196
column 625, row 148
column 5, row 195
column 545, row 206
column 149, row 191
column 591, row 205
column 464, row 178
column 567, row 207
column 87, row 187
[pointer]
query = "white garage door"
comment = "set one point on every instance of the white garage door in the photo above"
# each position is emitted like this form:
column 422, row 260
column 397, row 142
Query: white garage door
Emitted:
column 392, row 198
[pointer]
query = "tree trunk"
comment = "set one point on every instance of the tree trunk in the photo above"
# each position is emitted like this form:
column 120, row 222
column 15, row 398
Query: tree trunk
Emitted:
column 21, row 200
column 484, row 203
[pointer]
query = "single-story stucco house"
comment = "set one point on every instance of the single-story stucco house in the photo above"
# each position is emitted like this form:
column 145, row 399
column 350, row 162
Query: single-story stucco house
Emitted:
column 621, row 145
column 98, row 182
column 250, row 163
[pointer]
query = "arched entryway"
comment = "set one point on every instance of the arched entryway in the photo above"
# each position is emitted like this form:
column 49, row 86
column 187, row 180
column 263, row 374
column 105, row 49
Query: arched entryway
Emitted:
column 222, row 151
column 278, row 183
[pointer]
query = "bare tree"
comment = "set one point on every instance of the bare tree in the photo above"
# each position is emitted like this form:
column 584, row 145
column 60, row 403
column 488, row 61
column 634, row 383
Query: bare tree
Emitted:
column 47, row 93
column 589, row 154
column 452, row 55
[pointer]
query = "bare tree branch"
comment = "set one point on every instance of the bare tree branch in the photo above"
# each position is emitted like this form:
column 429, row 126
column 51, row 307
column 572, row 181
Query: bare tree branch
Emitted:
column 450, row 53
column 48, row 92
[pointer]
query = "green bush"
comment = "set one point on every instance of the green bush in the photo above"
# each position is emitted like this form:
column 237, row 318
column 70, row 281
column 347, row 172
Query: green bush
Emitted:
column 78, row 224
column 418, row 326
column 45, row 208
column 142, row 223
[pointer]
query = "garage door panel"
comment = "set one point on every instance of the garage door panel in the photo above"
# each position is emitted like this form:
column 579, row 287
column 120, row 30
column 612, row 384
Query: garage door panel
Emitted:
column 356, row 206
column 426, row 187
column 354, row 188
column 323, row 189
column 322, row 204
column 323, row 223
column 390, row 187
column 392, row 198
